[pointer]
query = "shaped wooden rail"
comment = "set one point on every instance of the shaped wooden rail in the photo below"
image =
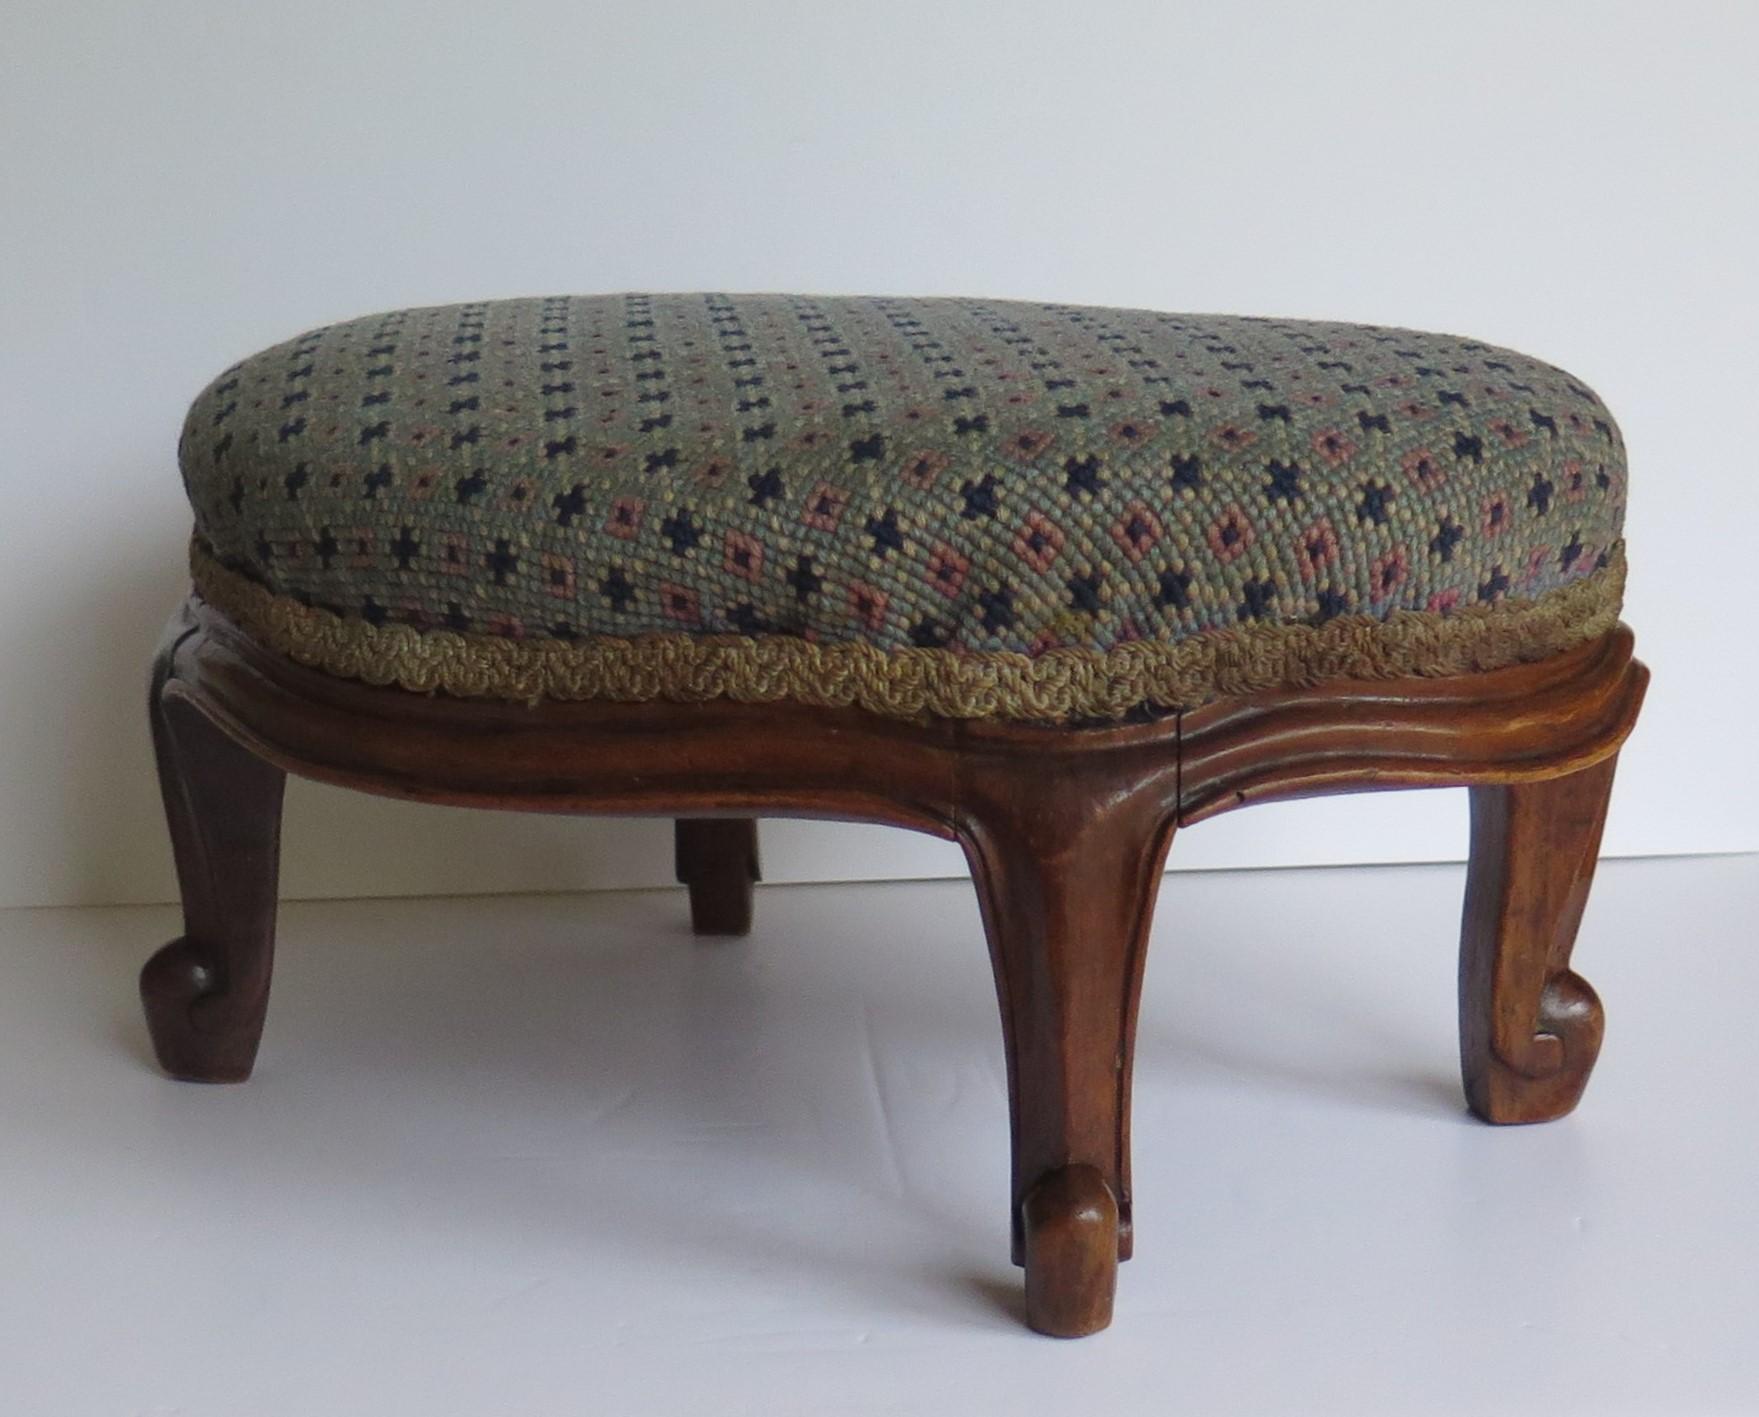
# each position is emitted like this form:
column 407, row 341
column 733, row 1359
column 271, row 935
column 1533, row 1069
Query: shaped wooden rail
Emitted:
column 1066, row 830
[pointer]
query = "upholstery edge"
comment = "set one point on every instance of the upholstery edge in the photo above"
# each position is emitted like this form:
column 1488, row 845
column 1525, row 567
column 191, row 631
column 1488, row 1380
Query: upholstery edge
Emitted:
column 1058, row 685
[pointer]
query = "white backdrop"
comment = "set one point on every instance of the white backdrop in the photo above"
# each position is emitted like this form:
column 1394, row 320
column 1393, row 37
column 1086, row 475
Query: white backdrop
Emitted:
column 183, row 182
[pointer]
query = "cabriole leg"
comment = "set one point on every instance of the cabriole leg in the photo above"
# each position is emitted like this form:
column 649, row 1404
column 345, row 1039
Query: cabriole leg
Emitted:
column 206, row 992
column 1067, row 890
column 1529, row 1027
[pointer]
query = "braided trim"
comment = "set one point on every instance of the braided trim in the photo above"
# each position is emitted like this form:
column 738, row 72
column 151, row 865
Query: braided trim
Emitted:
column 1057, row 685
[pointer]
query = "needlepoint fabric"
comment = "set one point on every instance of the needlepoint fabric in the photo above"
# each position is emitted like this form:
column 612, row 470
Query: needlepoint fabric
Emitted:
column 971, row 508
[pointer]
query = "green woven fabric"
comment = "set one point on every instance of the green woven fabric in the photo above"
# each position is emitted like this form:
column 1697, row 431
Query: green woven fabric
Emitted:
column 960, row 474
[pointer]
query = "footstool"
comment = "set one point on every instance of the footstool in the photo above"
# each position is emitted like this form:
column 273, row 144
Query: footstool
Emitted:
column 1046, row 580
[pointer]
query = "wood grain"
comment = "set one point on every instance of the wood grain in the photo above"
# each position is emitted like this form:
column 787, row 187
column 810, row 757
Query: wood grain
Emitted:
column 207, row 992
column 1066, row 829
column 1529, row 1028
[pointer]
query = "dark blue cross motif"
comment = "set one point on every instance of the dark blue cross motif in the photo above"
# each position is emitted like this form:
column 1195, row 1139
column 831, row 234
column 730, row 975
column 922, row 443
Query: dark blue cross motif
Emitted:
column 885, row 533
column 616, row 589
column 1083, row 476
column 1448, row 535
column 1377, row 499
column 744, row 618
column 805, row 581
column 765, row 486
column 570, row 504
column 1285, row 482
column 1260, row 597
column 995, row 607
column 502, row 561
column 928, row 633
column 681, row 531
column 1084, row 591
column 1496, row 585
column 1174, row 591
column 980, row 498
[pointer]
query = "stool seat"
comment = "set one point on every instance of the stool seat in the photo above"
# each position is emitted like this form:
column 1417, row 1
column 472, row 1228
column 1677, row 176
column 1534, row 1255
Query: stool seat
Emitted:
column 969, row 508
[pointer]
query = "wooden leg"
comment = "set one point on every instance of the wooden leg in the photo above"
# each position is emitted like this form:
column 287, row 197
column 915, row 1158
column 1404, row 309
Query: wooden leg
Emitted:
column 1067, row 891
column 717, row 859
column 1529, row 1028
column 206, row 992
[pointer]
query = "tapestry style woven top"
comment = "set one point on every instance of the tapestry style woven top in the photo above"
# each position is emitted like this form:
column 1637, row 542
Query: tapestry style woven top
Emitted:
column 944, row 491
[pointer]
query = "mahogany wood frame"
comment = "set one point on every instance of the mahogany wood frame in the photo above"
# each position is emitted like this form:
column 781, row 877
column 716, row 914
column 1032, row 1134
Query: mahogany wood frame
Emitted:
column 1066, row 830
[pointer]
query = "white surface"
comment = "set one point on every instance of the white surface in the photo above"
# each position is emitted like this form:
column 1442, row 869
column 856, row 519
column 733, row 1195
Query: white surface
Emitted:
column 184, row 182
column 548, row 1155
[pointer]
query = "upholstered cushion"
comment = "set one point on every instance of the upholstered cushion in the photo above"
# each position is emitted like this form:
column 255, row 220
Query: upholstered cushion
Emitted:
column 964, row 507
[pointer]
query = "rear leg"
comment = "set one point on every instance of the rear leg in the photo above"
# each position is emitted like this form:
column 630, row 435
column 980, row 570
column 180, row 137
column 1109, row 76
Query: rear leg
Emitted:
column 717, row 859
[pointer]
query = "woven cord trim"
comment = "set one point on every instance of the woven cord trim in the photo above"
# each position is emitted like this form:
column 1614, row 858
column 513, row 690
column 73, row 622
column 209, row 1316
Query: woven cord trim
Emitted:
column 1057, row 685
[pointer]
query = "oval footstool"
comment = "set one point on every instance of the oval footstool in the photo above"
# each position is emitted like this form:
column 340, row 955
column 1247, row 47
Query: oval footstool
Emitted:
column 1050, row 581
